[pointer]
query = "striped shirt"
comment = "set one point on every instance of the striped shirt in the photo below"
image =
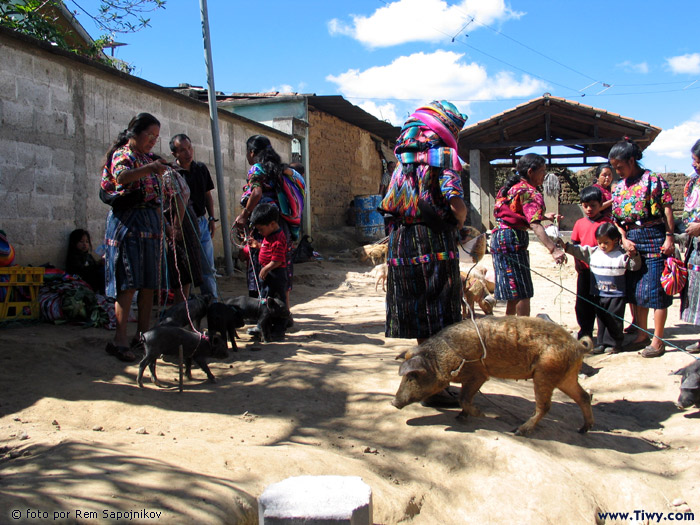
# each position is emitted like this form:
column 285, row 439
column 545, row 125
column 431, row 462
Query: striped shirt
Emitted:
column 273, row 248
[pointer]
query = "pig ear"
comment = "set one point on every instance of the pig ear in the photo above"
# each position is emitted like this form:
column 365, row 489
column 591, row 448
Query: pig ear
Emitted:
column 691, row 382
column 415, row 364
column 401, row 356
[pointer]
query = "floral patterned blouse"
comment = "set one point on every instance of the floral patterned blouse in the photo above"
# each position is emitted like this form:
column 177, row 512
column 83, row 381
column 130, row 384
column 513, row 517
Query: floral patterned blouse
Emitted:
column 124, row 159
column 691, row 195
column 435, row 186
column 639, row 200
column 519, row 207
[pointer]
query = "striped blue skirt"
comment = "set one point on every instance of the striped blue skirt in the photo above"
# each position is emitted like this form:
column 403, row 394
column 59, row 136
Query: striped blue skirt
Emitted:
column 644, row 286
column 133, row 260
column 424, row 290
column 511, row 263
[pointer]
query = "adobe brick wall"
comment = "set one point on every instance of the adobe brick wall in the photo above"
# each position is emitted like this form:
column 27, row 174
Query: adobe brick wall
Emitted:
column 59, row 114
column 343, row 162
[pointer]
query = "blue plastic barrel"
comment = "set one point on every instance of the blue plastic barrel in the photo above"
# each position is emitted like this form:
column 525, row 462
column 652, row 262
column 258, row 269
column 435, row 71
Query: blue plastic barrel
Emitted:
column 369, row 223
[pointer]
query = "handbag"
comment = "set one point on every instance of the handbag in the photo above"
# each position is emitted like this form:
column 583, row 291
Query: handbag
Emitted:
column 674, row 276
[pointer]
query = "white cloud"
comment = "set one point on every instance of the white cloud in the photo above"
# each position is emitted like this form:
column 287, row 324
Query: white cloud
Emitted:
column 630, row 67
column 677, row 141
column 450, row 79
column 689, row 63
column 381, row 111
column 420, row 21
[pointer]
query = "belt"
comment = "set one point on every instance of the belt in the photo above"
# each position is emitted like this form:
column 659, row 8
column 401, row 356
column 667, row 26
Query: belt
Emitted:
column 694, row 267
column 423, row 259
column 633, row 225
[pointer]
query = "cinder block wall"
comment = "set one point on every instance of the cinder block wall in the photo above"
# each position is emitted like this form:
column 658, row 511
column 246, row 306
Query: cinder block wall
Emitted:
column 59, row 114
column 344, row 163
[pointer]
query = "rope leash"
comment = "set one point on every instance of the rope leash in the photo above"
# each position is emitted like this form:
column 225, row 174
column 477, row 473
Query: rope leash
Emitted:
column 651, row 334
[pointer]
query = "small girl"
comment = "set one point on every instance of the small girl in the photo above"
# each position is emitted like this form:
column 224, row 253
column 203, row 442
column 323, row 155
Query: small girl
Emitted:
column 79, row 261
column 608, row 263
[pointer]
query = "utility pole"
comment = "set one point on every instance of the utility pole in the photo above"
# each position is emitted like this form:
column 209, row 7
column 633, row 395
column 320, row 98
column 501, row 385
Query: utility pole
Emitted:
column 214, row 117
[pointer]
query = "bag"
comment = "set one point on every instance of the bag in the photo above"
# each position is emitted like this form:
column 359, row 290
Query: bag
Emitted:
column 122, row 201
column 291, row 191
column 674, row 276
column 304, row 252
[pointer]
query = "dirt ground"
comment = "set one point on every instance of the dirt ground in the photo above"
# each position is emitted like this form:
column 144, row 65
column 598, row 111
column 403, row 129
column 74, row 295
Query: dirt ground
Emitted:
column 78, row 436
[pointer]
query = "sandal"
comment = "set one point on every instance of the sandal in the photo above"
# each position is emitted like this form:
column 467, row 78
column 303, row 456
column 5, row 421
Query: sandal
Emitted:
column 123, row 353
column 650, row 351
column 694, row 348
column 639, row 345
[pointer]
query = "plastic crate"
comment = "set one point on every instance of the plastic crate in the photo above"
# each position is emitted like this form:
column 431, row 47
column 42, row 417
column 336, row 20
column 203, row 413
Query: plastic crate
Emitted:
column 19, row 292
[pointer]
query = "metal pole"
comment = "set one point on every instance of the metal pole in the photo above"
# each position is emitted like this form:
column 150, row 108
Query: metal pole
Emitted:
column 214, row 117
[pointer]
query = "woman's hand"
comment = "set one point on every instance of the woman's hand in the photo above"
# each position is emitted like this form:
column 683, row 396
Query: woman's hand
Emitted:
column 693, row 229
column 668, row 247
column 629, row 247
column 553, row 216
column 159, row 166
column 241, row 221
column 558, row 255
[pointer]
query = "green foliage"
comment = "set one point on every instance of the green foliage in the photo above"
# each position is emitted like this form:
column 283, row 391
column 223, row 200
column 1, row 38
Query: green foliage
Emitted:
column 39, row 18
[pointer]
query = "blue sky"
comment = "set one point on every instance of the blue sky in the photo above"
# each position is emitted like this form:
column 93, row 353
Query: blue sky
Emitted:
column 486, row 56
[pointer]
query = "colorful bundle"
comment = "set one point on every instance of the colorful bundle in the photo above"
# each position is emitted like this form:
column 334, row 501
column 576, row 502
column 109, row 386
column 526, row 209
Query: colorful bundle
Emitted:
column 674, row 276
column 290, row 194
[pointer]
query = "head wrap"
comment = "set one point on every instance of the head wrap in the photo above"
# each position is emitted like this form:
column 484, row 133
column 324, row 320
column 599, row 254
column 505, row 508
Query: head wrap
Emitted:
column 429, row 136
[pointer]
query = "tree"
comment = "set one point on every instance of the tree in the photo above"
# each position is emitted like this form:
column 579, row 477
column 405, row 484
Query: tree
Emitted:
column 42, row 20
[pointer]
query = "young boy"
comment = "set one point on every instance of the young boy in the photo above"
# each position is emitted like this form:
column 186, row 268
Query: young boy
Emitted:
column 608, row 264
column 272, row 253
column 584, row 234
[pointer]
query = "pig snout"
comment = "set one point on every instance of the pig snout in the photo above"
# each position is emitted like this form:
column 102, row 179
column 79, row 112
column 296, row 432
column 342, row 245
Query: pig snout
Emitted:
column 688, row 398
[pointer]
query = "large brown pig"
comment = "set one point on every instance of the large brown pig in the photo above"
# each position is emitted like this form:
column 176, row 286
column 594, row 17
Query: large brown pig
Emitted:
column 516, row 348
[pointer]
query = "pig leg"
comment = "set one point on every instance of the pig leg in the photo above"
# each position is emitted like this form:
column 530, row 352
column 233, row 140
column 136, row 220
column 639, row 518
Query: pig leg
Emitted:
column 202, row 362
column 232, row 336
column 571, row 387
column 188, row 368
column 470, row 386
column 543, row 402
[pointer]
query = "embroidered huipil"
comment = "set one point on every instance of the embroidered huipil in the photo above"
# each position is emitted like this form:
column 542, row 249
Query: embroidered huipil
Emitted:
column 124, row 159
column 691, row 197
column 257, row 178
column 640, row 200
column 519, row 207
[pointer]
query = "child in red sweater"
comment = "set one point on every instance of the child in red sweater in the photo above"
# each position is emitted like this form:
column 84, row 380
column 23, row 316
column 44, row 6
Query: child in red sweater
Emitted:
column 584, row 234
column 273, row 250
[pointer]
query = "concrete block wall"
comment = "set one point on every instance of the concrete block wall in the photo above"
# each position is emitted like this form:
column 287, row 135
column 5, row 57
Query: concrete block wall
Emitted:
column 344, row 163
column 59, row 114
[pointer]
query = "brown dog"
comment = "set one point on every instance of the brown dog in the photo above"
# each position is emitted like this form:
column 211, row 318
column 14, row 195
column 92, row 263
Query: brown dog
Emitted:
column 514, row 348
column 372, row 252
column 474, row 290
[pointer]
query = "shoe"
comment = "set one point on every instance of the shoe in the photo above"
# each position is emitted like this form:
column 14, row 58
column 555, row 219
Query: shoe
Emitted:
column 613, row 349
column 447, row 398
column 254, row 332
column 123, row 353
column 639, row 345
column 290, row 322
column 650, row 351
column 597, row 350
column 631, row 329
column 693, row 349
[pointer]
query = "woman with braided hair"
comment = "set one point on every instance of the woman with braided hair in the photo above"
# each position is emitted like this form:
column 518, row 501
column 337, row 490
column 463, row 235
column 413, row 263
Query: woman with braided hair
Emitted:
column 131, row 184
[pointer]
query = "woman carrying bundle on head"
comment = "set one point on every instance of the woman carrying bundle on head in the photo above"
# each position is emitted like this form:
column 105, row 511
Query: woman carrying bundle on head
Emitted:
column 519, row 208
column 425, row 201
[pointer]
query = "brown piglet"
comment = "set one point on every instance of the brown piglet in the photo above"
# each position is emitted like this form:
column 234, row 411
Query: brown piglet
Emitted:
column 513, row 348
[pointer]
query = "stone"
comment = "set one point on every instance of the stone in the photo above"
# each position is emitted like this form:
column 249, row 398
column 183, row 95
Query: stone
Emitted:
column 316, row 500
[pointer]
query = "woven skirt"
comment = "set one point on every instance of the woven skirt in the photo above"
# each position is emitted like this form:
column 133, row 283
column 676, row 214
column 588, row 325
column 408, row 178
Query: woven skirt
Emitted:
column 511, row 263
column 644, row 286
column 690, row 297
column 423, row 285
column 133, row 260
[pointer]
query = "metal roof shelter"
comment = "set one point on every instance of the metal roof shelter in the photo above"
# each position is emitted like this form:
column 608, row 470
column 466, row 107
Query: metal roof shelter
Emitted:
column 571, row 134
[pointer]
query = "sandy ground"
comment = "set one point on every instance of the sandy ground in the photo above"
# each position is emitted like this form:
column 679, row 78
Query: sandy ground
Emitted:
column 78, row 436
